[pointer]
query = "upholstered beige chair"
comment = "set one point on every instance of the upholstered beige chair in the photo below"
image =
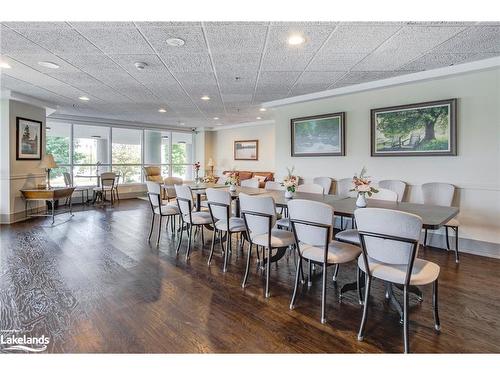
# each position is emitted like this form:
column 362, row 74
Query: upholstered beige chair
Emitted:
column 153, row 173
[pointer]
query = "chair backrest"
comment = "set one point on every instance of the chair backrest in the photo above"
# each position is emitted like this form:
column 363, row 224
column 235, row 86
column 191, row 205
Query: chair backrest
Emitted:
column 317, row 213
column 385, row 195
column 274, row 185
column 108, row 179
column 344, row 185
column 222, row 179
column 154, row 192
column 310, row 188
column 397, row 186
column 152, row 173
column 326, row 182
column 259, row 204
column 169, row 183
column 219, row 196
column 388, row 223
column 438, row 193
column 251, row 182
column 184, row 193
column 67, row 179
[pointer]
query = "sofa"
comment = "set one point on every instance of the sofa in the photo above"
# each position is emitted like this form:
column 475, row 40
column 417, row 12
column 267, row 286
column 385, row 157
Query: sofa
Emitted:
column 245, row 175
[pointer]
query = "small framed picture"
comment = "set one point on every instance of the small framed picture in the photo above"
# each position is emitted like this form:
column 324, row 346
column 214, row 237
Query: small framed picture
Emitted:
column 322, row 135
column 246, row 150
column 421, row 129
column 28, row 139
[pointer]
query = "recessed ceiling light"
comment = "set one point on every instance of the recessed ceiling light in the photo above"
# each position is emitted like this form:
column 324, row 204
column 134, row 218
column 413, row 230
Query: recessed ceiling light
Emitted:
column 216, row 118
column 84, row 98
column 262, row 109
column 205, row 97
column 4, row 65
column 259, row 118
column 162, row 110
column 175, row 42
column 295, row 40
column 48, row 64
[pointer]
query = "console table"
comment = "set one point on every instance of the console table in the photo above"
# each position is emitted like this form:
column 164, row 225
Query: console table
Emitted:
column 50, row 195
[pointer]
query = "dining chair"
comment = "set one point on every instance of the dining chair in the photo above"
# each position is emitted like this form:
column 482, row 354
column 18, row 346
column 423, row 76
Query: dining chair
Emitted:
column 326, row 182
column 169, row 210
column 399, row 187
column 274, row 185
column 311, row 188
column 312, row 228
column 108, row 181
column 351, row 235
column 389, row 244
column 251, row 183
column 169, row 187
column 115, row 187
column 68, row 181
column 219, row 206
column 441, row 194
column 259, row 215
column 190, row 218
column 343, row 188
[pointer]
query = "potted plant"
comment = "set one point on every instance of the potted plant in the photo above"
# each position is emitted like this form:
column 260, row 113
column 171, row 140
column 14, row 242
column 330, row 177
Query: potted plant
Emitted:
column 362, row 187
column 290, row 183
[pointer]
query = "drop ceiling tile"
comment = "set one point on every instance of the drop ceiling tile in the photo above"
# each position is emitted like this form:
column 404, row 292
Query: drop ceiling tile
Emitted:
column 326, row 61
column 308, row 88
column 200, row 78
column 118, row 40
column 168, row 23
column 236, row 62
column 314, row 38
column 293, row 60
column 101, row 25
column 473, row 39
column 436, row 60
column 315, row 81
column 358, row 38
column 36, row 25
column 13, row 43
column 192, row 36
column 188, row 62
column 352, row 78
column 92, row 62
column 33, row 62
column 234, row 39
column 237, row 98
column 77, row 79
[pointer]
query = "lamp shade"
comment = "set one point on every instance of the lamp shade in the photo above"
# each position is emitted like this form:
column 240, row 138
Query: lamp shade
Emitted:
column 210, row 163
column 48, row 162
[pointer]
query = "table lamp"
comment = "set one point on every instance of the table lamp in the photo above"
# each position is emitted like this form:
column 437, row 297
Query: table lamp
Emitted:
column 48, row 163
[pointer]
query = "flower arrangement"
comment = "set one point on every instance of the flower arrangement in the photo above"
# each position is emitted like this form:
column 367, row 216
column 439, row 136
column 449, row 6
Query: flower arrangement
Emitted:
column 197, row 166
column 362, row 184
column 232, row 179
column 290, row 182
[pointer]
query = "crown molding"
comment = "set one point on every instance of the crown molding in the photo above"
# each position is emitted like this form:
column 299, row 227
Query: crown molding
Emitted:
column 448, row 71
column 240, row 125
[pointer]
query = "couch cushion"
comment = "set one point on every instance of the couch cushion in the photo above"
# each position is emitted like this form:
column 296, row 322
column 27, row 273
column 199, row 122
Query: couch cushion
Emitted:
column 245, row 175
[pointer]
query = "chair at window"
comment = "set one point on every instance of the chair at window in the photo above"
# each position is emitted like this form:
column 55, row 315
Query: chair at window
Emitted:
column 312, row 226
column 84, row 190
column 259, row 214
column 170, row 211
column 219, row 205
column 310, row 188
column 108, row 181
column 169, row 187
column 389, row 243
column 351, row 235
column 397, row 186
column 326, row 182
column 153, row 173
column 441, row 194
column 115, row 188
column 251, row 183
column 190, row 218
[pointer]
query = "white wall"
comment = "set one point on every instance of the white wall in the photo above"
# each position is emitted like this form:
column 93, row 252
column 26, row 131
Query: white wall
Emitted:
column 222, row 146
column 475, row 171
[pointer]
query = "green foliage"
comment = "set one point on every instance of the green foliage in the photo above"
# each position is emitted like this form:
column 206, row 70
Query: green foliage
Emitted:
column 178, row 157
column 126, row 154
column 435, row 144
column 59, row 148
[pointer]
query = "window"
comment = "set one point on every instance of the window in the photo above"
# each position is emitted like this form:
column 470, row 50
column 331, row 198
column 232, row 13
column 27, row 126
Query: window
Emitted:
column 85, row 151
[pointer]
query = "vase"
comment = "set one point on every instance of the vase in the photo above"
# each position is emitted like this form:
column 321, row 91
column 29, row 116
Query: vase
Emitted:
column 232, row 188
column 361, row 201
column 288, row 194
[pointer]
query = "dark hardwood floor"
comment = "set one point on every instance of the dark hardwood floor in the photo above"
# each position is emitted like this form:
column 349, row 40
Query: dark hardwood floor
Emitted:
column 93, row 283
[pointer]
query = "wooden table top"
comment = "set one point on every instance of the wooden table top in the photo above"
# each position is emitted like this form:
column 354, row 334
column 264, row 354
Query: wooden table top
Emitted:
column 47, row 194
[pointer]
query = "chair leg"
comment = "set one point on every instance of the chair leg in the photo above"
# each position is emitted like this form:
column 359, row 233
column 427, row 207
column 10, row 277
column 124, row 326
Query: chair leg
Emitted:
column 437, row 324
column 268, row 271
column 297, row 276
column 245, row 278
column 361, row 333
column 159, row 232
column 457, row 258
column 309, row 274
column 180, row 238
column 405, row 319
column 228, row 248
column 336, row 272
column 202, row 237
column 425, row 238
column 360, row 285
column 323, row 295
column 212, row 248
column 152, row 224
column 447, row 238
column 190, row 230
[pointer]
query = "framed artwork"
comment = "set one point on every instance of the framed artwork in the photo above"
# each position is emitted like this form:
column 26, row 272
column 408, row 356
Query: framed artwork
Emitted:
column 421, row 129
column 246, row 150
column 28, row 139
column 322, row 135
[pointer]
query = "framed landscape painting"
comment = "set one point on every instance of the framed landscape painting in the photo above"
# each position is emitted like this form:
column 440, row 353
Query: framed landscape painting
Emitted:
column 322, row 135
column 28, row 139
column 421, row 129
column 246, row 150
